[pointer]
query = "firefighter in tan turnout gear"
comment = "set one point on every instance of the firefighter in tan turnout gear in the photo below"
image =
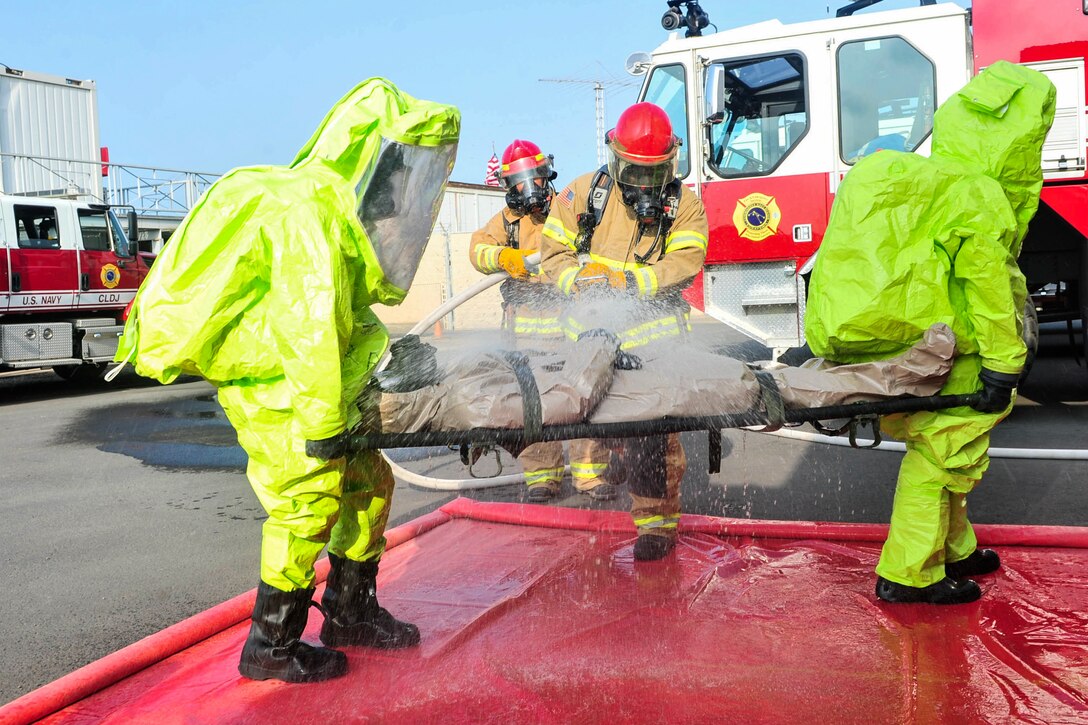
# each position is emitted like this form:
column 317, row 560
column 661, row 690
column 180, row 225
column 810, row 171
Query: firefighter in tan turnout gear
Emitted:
column 621, row 244
column 531, row 308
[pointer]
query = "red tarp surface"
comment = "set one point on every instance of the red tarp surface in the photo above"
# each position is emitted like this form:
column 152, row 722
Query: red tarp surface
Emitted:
column 540, row 614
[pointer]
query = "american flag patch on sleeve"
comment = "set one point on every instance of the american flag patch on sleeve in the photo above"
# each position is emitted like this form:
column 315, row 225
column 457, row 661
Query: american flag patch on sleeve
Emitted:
column 566, row 197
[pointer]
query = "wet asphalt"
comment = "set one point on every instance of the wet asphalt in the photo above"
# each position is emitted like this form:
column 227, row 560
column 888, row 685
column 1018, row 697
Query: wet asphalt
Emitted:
column 127, row 509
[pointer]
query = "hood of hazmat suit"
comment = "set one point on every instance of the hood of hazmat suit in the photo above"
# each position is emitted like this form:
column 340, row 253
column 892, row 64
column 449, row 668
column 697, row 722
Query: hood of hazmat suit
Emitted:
column 272, row 273
column 913, row 241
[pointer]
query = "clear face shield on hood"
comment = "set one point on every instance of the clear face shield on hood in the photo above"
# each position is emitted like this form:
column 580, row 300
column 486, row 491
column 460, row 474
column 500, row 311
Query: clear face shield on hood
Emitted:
column 399, row 202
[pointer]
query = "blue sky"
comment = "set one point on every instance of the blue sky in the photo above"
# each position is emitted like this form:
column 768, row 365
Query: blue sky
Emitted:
column 208, row 86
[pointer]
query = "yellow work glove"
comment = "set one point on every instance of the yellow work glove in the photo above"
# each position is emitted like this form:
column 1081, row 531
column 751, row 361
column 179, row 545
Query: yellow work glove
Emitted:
column 591, row 275
column 618, row 280
column 513, row 263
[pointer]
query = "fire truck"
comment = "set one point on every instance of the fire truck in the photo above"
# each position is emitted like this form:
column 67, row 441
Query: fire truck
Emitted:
column 67, row 267
column 67, row 272
column 774, row 115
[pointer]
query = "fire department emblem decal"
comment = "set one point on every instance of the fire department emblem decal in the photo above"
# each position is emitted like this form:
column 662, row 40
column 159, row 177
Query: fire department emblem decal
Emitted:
column 757, row 216
column 110, row 275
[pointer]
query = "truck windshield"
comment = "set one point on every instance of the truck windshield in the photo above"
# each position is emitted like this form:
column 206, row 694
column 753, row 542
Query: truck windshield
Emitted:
column 102, row 232
column 122, row 246
column 667, row 88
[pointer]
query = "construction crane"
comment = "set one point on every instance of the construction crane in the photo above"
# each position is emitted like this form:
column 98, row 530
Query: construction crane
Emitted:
column 598, row 91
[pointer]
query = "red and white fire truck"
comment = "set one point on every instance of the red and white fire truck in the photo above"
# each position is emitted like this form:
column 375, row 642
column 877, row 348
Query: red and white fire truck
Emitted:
column 67, row 268
column 774, row 115
column 67, row 271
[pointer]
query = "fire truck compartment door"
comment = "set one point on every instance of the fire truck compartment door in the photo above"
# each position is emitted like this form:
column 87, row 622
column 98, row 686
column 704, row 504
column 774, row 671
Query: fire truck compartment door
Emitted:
column 1064, row 148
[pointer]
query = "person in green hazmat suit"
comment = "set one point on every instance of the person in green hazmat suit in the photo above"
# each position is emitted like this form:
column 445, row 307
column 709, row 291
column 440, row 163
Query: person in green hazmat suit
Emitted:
column 913, row 241
column 265, row 290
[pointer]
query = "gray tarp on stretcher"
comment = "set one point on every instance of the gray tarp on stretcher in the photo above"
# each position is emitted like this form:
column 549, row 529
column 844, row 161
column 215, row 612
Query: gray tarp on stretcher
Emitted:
column 580, row 385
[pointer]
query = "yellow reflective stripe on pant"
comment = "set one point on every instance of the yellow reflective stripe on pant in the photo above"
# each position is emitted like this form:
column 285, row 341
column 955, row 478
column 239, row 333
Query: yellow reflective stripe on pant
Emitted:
column 658, row 522
column 544, row 475
column 584, row 470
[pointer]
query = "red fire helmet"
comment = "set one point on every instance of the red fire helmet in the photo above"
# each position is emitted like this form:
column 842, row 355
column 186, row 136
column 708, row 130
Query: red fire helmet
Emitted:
column 643, row 135
column 523, row 159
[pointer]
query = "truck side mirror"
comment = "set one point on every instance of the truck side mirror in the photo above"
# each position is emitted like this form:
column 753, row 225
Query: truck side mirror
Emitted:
column 715, row 91
column 133, row 228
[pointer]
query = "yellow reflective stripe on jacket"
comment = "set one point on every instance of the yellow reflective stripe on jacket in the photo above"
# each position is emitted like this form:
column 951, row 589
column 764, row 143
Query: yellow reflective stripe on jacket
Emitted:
column 487, row 257
column 658, row 522
column 566, row 279
column 647, row 281
column 683, row 240
column 554, row 229
column 645, row 276
column 615, row 264
column 543, row 475
column 587, row 470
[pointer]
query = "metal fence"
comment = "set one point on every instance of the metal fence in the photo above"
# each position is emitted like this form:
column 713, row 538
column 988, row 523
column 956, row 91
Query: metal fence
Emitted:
column 151, row 191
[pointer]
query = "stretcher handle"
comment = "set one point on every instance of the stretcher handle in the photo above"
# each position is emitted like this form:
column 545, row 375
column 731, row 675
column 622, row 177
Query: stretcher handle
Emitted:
column 519, row 438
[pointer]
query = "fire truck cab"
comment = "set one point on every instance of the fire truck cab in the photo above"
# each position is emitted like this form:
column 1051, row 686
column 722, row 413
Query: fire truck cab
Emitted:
column 67, row 271
column 774, row 115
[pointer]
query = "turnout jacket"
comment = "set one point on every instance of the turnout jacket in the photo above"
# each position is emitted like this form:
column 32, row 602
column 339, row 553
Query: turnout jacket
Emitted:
column 652, row 307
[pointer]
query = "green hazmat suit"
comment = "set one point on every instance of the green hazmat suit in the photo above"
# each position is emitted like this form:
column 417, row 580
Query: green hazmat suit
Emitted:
column 913, row 241
column 265, row 291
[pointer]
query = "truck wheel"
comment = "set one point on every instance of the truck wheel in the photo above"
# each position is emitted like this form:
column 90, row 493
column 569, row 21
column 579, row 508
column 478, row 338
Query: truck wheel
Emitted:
column 85, row 373
column 1031, row 339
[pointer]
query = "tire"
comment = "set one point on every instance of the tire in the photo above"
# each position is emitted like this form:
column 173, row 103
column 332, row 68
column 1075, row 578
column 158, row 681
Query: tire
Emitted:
column 85, row 373
column 1031, row 339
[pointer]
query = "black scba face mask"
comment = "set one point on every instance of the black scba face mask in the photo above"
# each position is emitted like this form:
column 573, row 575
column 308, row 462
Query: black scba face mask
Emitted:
column 647, row 202
column 532, row 199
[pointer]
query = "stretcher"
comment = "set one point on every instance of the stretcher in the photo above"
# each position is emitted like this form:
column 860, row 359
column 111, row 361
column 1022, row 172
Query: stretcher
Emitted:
column 595, row 390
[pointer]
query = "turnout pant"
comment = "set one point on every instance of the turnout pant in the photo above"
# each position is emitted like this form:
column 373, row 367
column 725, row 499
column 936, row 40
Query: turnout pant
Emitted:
column 653, row 468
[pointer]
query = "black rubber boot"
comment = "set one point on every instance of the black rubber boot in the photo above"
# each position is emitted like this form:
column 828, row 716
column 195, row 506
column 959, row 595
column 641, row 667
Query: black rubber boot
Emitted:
column 946, row 591
column 980, row 562
column 541, row 493
column 651, row 548
column 602, row 492
column 352, row 613
column 273, row 650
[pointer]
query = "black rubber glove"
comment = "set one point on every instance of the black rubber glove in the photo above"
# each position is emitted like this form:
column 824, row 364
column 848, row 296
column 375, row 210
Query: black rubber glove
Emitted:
column 411, row 367
column 329, row 448
column 996, row 393
column 627, row 361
